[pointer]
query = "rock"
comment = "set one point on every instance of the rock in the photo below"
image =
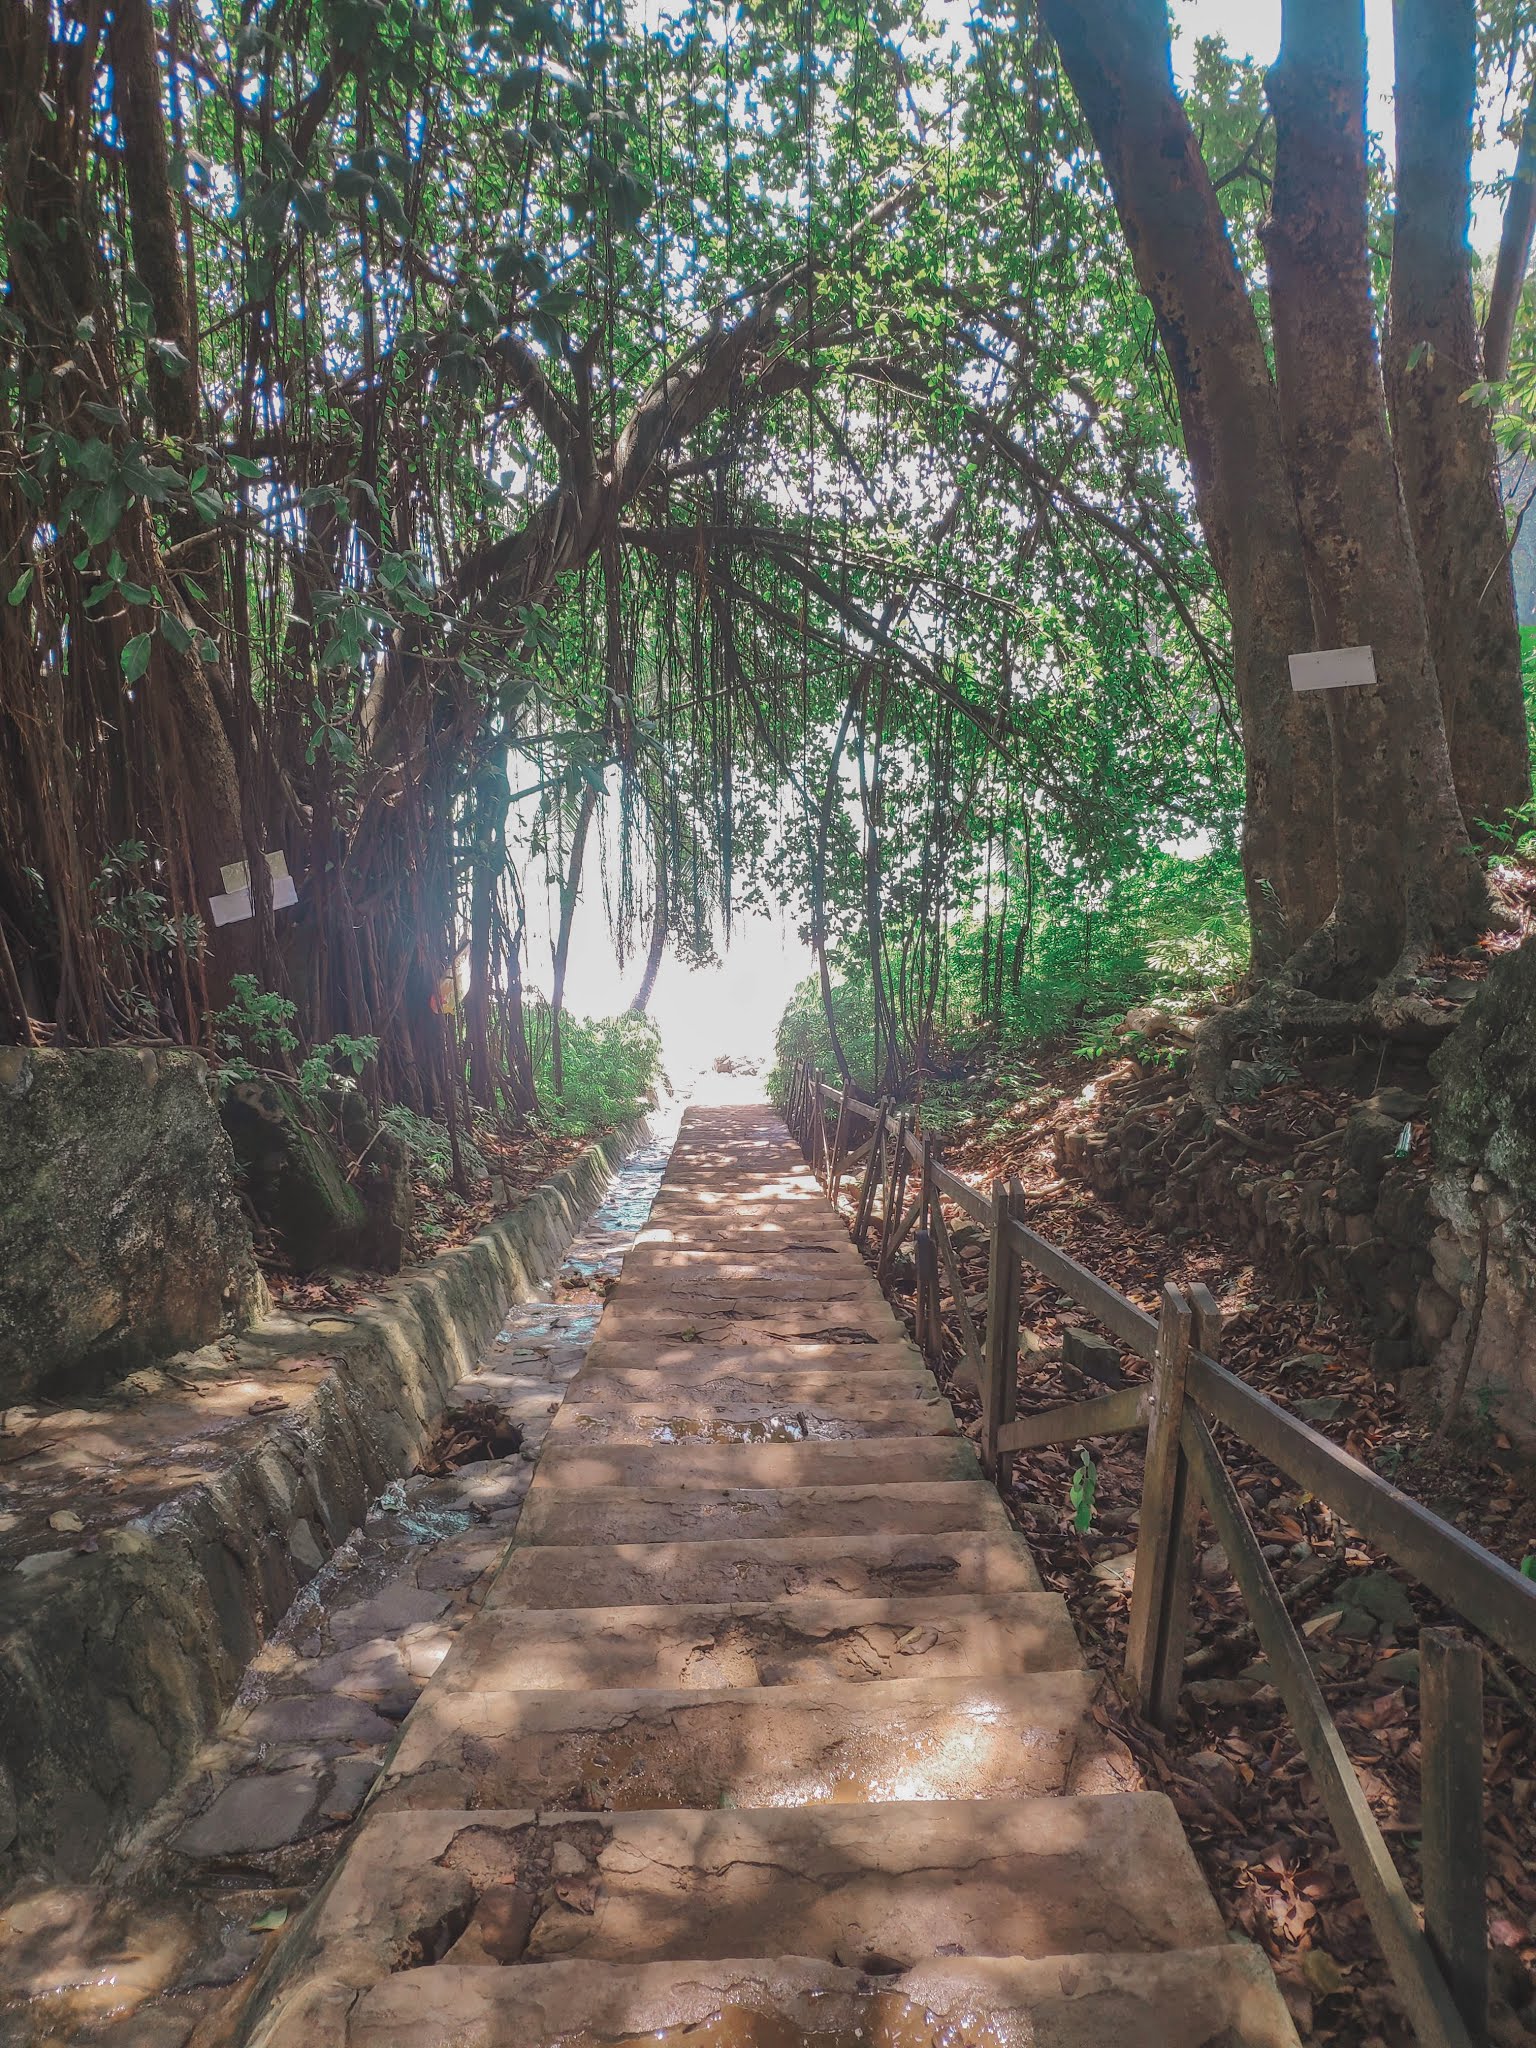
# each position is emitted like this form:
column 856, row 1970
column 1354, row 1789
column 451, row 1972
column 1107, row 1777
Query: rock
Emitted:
column 1214, row 1565
column 351, row 1781
column 1370, row 1143
column 1218, row 1772
column 1390, row 1356
column 1230, row 1692
column 567, row 1860
column 1403, row 1669
column 311, row 1718
column 1402, row 1207
column 294, row 1178
column 1118, row 1572
column 304, row 1549
column 265, row 1811
column 498, row 1928
column 1375, row 1600
column 1434, row 1316
column 1400, row 1105
column 1092, row 1354
column 122, row 1238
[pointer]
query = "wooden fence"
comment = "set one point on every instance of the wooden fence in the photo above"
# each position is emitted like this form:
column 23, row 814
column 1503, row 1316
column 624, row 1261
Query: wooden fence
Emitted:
column 900, row 1189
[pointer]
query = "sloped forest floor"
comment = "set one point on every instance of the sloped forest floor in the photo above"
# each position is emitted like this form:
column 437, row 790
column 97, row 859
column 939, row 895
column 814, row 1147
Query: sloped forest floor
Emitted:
column 1234, row 1769
column 503, row 1170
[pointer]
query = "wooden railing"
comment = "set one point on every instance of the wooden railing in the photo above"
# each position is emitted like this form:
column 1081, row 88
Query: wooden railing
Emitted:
column 1439, row 1964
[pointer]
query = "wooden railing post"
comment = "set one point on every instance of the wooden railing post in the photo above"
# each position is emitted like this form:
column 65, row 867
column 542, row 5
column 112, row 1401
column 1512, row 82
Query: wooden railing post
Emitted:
column 999, row 1380
column 1452, row 1852
column 873, row 1167
column 836, row 1177
column 930, row 1329
column 894, row 1188
column 1164, row 1493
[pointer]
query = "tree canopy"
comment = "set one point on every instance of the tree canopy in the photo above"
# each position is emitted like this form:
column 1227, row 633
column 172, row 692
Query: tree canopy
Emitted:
column 761, row 426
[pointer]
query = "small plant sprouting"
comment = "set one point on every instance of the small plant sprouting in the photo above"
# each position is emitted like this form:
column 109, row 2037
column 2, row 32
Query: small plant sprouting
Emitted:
column 1085, row 1483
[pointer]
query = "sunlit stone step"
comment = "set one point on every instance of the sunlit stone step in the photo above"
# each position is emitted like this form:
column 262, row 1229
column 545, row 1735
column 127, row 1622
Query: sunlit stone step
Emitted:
column 793, row 1642
column 1189, row 1998
column 788, row 1745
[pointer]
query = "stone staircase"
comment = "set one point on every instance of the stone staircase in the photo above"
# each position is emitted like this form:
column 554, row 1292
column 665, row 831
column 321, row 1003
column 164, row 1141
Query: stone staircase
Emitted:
column 766, row 1736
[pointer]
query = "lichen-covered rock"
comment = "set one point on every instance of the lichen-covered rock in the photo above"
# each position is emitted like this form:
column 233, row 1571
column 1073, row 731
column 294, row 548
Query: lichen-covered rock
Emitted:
column 1485, row 1118
column 122, row 1238
column 323, row 1207
column 1485, row 1189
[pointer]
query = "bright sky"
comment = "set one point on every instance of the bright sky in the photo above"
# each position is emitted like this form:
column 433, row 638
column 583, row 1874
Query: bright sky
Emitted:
column 735, row 1007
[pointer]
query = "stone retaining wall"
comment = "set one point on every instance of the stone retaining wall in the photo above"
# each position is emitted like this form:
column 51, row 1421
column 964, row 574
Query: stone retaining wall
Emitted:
column 118, row 1654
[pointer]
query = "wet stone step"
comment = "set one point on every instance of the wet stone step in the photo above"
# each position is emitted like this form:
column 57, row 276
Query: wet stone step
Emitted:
column 787, row 1745
column 887, row 1886
column 1193, row 1998
column 781, row 1643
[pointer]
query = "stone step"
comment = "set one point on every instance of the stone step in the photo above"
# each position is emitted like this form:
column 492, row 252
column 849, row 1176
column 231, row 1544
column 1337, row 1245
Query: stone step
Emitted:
column 832, row 1741
column 790, row 1642
column 775, row 1386
column 882, row 1888
column 1187, row 1998
column 684, row 1358
column 878, row 1461
column 856, row 1567
column 842, row 1281
column 849, row 1325
column 616, row 1409
column 659, row 1514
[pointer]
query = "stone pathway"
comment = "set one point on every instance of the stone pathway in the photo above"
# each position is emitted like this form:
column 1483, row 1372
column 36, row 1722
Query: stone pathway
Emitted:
column 147, row 1954
column 766, row 1735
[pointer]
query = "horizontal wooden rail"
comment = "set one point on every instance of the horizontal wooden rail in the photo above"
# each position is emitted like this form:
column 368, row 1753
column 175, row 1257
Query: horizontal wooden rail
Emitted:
column 963, row 1195
column 1123, row 1319
column 1107, row 1415
column 1482, row 1588
column 1419, row 1978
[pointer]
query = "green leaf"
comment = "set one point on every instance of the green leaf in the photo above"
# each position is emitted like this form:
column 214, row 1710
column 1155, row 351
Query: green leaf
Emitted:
column 135, row 593
column 1528, row 1566
column 135, row 657
column 179, row 636
column 103, row 512
column 20, row 587
column 170, row 355
column 243, row 465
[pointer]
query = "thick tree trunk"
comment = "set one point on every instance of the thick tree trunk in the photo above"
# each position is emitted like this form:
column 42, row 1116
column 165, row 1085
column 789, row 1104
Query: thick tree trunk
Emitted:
column 1116, row 54
column 1445, row 450
column 1407, row 878
column 570, row 890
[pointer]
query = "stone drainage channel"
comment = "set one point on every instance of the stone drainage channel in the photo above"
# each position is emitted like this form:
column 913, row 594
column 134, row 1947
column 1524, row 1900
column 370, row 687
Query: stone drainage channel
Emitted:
column 155, row 1953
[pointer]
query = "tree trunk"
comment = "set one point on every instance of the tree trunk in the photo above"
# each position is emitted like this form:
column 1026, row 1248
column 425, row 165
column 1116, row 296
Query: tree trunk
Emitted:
column 1514, row 255
column 152, row 214
column 1116, row 54
column 570, row 889
column 1445, row 449
column 653, row 959
column 1407, row 879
